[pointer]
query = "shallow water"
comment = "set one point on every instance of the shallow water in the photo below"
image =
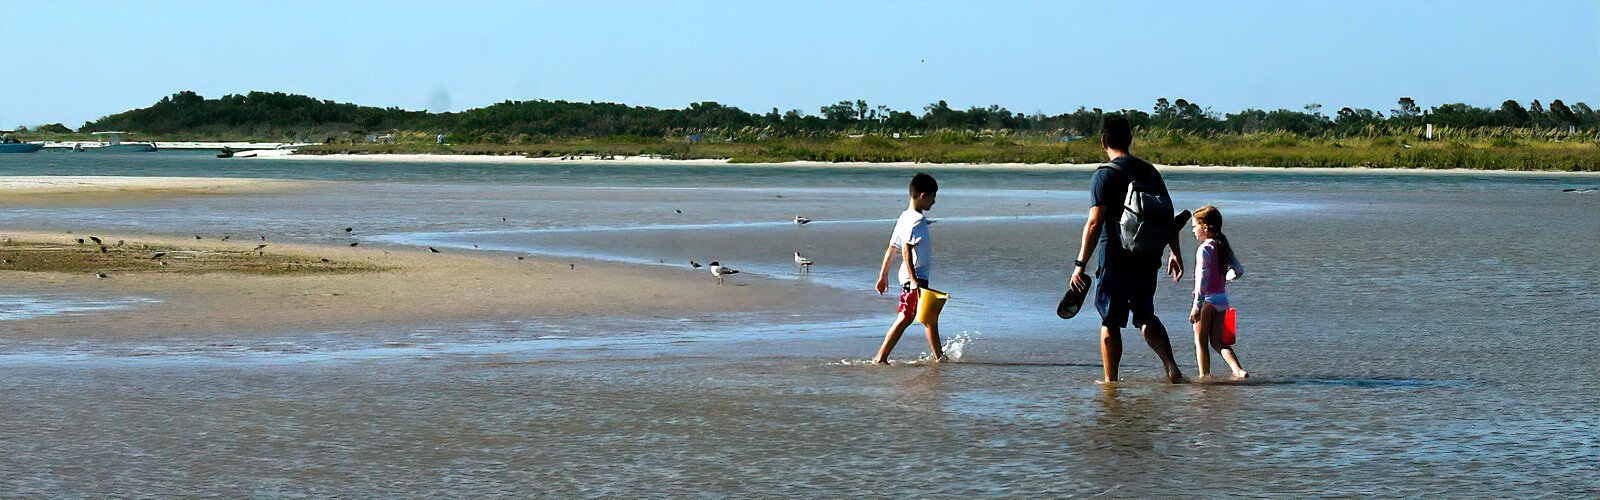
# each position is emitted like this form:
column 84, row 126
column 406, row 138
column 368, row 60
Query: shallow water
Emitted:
column 1406, row 335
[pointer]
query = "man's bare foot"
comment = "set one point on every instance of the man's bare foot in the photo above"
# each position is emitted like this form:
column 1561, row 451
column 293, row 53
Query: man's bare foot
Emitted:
column 883, row 362
column 1241, row 374
column 1174, row 376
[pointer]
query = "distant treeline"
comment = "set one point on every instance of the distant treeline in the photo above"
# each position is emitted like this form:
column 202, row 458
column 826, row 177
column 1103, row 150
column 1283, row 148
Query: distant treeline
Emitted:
column 280, row 115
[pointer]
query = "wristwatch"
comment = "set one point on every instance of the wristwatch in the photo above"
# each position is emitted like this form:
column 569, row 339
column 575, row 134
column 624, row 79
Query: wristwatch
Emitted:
column 1078, row 263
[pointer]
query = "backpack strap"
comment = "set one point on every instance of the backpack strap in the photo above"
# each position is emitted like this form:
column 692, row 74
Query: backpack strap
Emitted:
column 1118, row 168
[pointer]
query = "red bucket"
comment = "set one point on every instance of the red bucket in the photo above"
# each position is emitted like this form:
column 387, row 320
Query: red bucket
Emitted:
column 1229, row 326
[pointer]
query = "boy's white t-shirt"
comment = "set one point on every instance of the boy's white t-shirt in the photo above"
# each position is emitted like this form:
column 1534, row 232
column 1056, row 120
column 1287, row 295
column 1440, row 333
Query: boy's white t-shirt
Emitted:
column 912, row 228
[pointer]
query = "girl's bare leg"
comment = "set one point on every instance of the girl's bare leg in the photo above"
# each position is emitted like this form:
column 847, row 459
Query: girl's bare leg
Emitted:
column 1202, row 352
column 1227, row 352
column 1233, row 362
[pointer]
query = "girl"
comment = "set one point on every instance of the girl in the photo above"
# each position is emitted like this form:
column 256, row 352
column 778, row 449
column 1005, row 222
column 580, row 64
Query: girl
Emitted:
column 1215, row 265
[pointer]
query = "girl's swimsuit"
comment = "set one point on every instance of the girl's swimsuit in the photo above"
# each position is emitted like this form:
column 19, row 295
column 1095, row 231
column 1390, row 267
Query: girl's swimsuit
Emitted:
column 1211, row 278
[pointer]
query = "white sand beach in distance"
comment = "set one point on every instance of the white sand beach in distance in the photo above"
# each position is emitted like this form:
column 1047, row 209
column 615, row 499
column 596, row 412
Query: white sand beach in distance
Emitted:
column 1047, row 167
column 64, row 184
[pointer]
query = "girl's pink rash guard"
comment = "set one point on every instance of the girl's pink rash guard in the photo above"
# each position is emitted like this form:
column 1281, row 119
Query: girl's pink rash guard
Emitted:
column 1210, row 276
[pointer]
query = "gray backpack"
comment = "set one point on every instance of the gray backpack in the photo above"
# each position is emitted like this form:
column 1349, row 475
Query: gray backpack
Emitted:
column 1147, row 223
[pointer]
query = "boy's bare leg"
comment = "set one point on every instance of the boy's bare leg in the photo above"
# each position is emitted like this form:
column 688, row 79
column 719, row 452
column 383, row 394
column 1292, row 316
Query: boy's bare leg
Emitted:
column 1155, row 334
column 1110, row 351
column 893, row 337
column 933, row 341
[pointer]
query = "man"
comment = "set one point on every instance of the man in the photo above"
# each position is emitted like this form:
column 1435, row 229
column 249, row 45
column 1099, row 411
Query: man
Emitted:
column 1127, row 280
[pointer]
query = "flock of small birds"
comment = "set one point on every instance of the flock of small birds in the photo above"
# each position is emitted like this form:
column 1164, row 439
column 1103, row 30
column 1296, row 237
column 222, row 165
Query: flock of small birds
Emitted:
column 720, row 272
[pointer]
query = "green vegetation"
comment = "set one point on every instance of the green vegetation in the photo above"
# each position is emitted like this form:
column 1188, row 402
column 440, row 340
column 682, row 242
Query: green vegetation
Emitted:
column 1275, row 149
column 1556, row 136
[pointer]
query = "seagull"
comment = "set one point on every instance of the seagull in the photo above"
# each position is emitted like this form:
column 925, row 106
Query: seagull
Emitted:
column 101, row 275
column 354, row 243
column 502, row 219
column 719, row 272
column 197, row 236
column 801, row 220
column 519, row 257
column 158, row 255
column 96, row 240
column 263, row 237
column 80, row 241
column 225, row 237
column 102, row 249
column 474, row 246
column 432, row 249
column 694, row 264
column 677, row 210
column 803, row 263
column 325, row 259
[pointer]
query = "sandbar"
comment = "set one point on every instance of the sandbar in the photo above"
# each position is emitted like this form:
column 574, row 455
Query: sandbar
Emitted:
column 388, row 287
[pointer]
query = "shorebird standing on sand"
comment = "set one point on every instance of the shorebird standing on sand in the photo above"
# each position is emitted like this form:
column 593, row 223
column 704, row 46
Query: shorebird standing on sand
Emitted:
column 801, row 221
column 694, row 264
column 721, row 273
column 802, row 263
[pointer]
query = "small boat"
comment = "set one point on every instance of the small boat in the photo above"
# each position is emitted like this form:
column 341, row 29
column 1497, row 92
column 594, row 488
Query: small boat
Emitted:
column 10, row 144
column 113, row 144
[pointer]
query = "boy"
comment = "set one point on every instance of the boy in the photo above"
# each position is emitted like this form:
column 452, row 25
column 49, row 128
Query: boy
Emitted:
column 910, row 239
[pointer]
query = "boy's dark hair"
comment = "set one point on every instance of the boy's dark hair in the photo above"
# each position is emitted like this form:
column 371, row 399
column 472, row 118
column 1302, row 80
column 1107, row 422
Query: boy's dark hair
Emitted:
column 1116, row 134
column 923, row 183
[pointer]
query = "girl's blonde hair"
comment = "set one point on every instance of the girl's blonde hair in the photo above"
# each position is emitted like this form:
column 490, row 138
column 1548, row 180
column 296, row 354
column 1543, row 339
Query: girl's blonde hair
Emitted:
column 1211, row 218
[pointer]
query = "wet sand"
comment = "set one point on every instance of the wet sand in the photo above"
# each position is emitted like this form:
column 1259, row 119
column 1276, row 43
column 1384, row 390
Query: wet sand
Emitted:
column 383, row 286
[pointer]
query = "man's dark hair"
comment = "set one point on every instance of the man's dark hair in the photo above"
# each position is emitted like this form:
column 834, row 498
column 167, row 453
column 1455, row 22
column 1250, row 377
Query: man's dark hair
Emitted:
column 923, row 183
column 1116, row 134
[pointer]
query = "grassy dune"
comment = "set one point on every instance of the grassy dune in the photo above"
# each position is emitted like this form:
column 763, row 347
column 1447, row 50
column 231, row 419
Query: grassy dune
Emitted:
column 1467, row 151
column 133, row 257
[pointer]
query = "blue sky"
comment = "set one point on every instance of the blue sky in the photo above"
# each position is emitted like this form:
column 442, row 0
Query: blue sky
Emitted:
column 64, row 61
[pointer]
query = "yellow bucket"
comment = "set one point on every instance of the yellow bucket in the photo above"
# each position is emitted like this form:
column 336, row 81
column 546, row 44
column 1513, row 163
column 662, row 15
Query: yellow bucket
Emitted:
column 929, row 303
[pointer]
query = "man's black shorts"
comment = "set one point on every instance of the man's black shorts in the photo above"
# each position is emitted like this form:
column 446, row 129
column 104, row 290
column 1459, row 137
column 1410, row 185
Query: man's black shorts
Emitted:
column 1126, row 289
